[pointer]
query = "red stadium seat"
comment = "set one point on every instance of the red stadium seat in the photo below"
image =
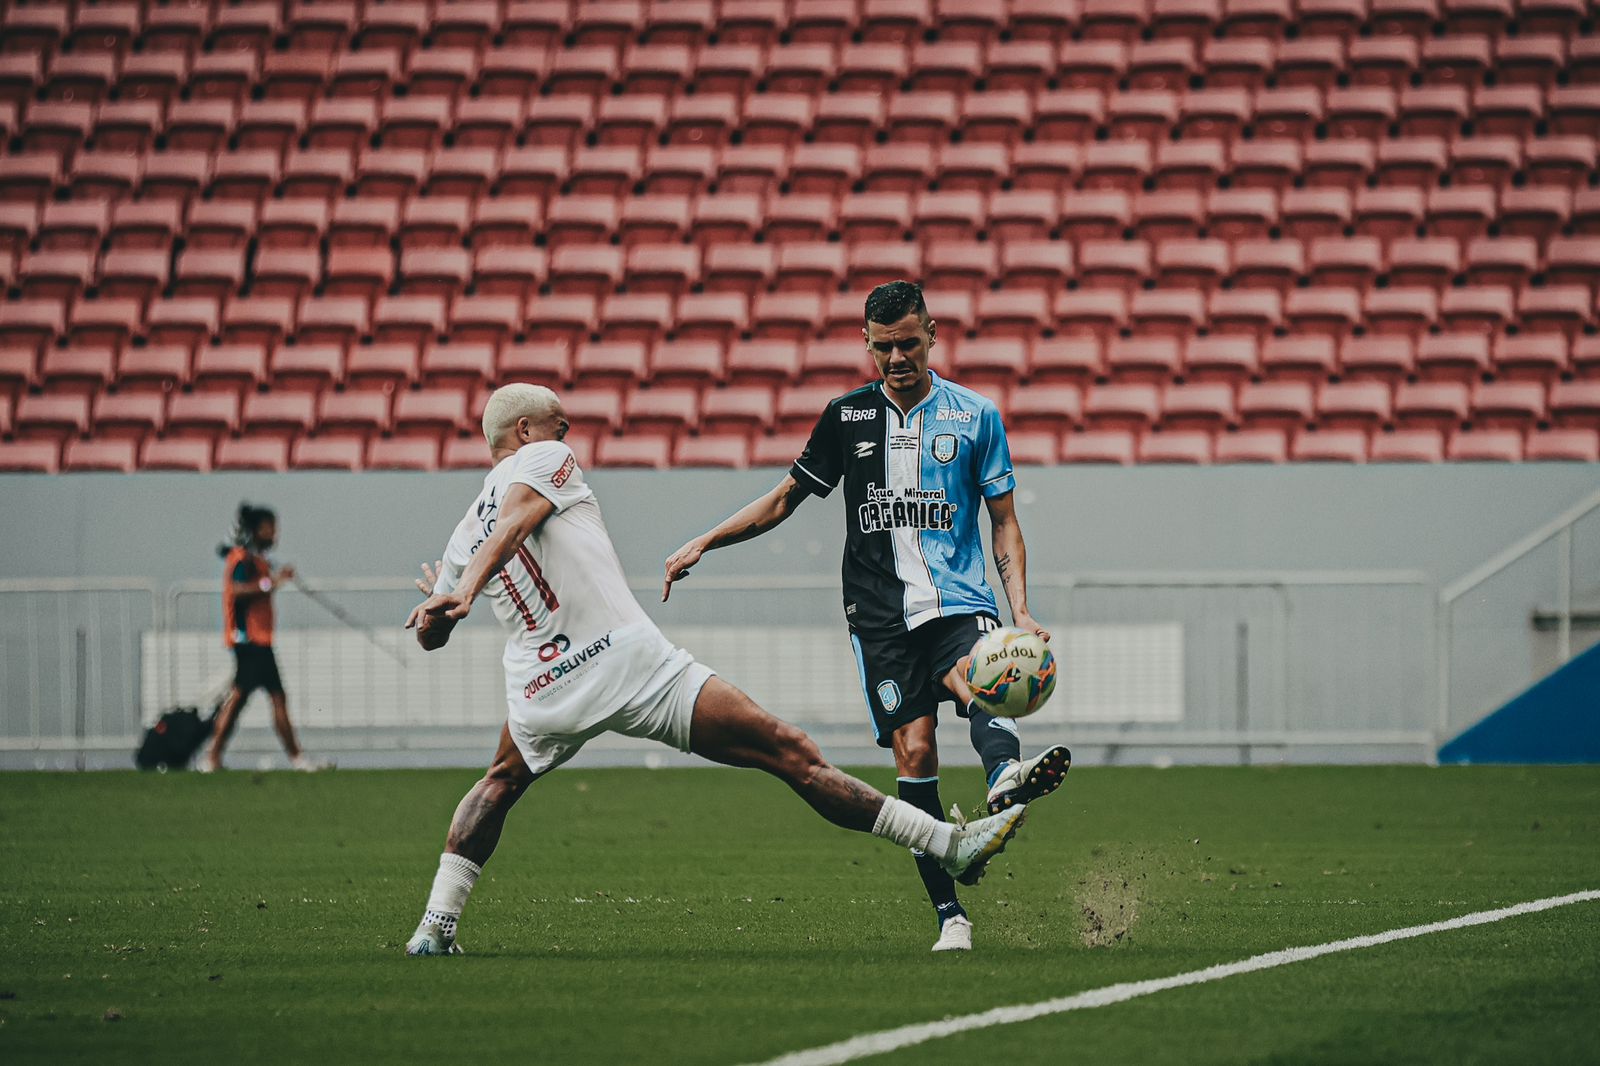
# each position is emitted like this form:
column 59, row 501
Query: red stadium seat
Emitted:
column 742, row 410
column 616, row 365
column 637, row 317
column 1443, row 406
column 1563, row 445
column 1297, row 358
column 1329, row 446
column 458, row 365
column 686, row 363
column 728, row 452
column 1363, row 405
column 357, row 414
column 1207, row 406
column 1179, row 448
column 1485, row 446
column 1575, row 404
column 291, row 223
column 31, row 457
column 651, row 451
column 1112, row 447
column 81, row 371
column 1252, row 446
column 763, row 362
column 202, row 414
column 278, row 415
column 191, row 456
column 307, row 367
column 153, row 368
column 485, row 318
column 253, row 454
column 1408, row 446
column 408, row 453
column 326, row 453
column 661, row 410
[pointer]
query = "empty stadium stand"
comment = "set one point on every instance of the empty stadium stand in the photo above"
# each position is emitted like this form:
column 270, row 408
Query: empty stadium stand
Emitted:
column 266, row 235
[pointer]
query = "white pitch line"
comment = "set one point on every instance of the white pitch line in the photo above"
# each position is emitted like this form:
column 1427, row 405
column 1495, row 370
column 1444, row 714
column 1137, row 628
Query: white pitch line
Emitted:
column 868, row 1044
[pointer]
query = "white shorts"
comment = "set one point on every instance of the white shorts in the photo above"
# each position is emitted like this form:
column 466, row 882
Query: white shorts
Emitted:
column 662, row 710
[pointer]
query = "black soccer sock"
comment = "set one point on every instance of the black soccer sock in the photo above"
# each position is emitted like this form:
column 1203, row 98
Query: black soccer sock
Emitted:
column 995, row 743
column 923, row 793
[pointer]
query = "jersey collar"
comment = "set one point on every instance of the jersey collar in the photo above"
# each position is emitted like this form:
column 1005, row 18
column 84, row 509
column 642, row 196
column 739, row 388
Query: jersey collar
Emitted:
column 934, row 384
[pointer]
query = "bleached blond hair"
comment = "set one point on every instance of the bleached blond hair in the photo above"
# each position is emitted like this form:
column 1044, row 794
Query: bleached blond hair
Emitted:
column 511, row 402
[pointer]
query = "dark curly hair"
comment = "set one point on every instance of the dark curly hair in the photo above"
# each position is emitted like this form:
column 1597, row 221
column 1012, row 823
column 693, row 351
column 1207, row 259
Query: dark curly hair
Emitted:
column 246, row 523
column 894, row 300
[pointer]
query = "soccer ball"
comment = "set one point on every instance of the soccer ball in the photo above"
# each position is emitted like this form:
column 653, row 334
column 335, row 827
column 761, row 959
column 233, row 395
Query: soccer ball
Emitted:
column 1012, row 672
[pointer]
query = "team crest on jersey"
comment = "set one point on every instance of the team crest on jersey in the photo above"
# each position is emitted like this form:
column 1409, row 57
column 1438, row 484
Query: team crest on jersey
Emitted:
column 865, row 448
column 944, row 447
column 889, row 696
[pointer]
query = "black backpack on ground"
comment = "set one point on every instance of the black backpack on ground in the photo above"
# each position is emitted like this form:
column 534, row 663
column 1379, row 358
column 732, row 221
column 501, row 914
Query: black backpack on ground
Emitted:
column 173, row 740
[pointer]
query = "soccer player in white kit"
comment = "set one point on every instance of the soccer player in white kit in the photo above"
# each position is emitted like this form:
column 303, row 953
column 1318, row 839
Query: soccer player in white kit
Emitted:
column 582, row 658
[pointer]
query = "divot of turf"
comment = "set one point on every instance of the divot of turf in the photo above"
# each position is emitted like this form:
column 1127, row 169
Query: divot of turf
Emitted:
column 1108, row 900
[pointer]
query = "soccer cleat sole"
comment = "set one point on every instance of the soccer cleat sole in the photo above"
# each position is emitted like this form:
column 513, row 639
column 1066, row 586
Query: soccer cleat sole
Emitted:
column 974, row 873
column 1045, row 777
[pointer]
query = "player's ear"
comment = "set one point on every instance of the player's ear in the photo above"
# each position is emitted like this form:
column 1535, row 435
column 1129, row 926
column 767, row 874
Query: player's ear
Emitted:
column 933, row 329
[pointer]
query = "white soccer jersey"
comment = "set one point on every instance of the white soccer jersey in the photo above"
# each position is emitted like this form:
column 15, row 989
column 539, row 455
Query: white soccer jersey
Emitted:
column 578, row 644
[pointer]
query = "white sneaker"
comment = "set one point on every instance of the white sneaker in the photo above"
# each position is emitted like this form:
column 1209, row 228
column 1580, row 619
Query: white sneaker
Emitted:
column 978, row 842
column 1024, row 782
column 955, row 935
column 207, row 765
column 429, row 939
column 307, row 765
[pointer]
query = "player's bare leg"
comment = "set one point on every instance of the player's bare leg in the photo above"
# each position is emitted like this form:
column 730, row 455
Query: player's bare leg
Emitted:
column 1012, row 780
column 474, row 833
column 481, row 814
column 285, row 730
column 729, row 728
column 227, row 718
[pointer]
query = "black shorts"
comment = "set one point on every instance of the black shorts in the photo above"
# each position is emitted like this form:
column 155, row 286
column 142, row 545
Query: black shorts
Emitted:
column 256, row 667
column 902, row 675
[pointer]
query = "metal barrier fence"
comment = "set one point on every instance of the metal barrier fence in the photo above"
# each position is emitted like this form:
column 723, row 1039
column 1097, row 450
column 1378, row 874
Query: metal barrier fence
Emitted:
column 1213, row 667
column 1513, row 619
column 70, row 670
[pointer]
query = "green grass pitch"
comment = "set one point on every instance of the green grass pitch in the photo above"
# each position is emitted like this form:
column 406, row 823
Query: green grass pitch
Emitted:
column 705, row 916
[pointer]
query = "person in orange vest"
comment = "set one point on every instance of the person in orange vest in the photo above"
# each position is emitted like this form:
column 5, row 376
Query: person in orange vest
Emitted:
column 248, row 583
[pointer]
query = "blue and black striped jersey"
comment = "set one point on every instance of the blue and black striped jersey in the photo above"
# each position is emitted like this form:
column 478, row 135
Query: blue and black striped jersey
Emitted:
column 912, row 486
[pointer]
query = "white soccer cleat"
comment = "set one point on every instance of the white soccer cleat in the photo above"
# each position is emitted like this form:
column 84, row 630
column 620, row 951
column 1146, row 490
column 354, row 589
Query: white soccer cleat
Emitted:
column 1024, row 782
column 207, row 765
column 307, row 765
column 955, row 935
column 978, row 842
column 429, row 939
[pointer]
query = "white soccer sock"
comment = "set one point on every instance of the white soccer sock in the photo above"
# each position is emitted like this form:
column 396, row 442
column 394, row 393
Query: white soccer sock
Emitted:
column 451, row 887
column 901, row 823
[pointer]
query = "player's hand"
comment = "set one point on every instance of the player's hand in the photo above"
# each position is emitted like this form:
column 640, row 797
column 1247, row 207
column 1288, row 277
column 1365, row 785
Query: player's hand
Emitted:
column 678, row 565
column 451, row 605
column 1025, row 621
column 430, row 577
column 285, row 573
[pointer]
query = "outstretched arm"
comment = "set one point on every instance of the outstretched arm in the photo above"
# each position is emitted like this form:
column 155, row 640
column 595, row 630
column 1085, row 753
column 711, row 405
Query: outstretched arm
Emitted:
column 521, row 512
column 753, row 519
column 1011, row 559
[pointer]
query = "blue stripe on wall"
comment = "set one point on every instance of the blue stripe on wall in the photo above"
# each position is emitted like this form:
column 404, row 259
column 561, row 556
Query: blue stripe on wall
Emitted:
column 1555, row 721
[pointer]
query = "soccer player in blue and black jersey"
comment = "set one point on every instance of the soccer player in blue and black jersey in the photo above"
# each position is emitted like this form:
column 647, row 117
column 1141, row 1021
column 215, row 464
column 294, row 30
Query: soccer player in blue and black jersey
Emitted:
column 916, row 454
